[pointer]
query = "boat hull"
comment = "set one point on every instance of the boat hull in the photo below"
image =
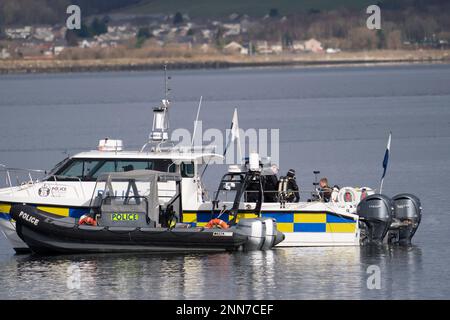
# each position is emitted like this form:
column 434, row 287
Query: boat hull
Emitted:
column 47, row 234
column 301, row 228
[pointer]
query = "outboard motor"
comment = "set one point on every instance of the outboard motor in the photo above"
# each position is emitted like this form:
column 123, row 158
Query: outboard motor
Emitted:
column 375, row 213
column 255, row 230
column 406, row 218
column 262, row 233
column 271, row 233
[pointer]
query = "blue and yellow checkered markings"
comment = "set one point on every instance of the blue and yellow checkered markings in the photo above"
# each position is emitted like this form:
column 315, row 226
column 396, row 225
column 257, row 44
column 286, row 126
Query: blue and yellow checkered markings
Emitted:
column 60, row 211
column 286, row 222
column 201, row 219
column 4, row 211
column 64, row 212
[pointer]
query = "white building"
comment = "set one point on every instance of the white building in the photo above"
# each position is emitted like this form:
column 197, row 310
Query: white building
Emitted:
column 234, row 47
column 4, row 54
column 313, row 45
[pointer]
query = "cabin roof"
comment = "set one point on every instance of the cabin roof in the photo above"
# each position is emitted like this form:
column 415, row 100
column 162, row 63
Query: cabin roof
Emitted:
column 175, row 156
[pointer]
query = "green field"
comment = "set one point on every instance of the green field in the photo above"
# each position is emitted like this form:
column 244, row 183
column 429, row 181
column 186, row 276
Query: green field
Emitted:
column 220, row 8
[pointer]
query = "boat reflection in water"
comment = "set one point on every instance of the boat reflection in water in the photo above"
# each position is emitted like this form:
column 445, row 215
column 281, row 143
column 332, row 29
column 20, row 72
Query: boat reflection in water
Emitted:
column 312, row 273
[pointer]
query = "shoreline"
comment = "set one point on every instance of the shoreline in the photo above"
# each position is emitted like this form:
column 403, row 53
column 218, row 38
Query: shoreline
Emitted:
column 381, row 57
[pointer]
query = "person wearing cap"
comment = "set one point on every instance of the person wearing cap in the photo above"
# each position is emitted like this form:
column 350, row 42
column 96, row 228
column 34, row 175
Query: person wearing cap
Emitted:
column 270, row 185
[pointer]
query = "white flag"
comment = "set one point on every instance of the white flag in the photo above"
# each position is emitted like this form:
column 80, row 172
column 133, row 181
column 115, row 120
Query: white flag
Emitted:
column 234, row 135
column 235, row 126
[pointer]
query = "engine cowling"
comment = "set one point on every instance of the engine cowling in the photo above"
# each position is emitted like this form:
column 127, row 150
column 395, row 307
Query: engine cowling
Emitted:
column 375, row 213
column 406, row 218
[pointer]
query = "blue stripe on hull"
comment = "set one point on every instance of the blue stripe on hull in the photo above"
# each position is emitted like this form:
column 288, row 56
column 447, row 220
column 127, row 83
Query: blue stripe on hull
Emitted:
column 331, row 218
column 280, row 217
column 4, row 216
column 310, row 227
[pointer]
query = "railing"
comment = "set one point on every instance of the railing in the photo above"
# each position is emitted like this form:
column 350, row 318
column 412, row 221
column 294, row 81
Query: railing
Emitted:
column 9, row 172
column 275, row 196
column 24, row 177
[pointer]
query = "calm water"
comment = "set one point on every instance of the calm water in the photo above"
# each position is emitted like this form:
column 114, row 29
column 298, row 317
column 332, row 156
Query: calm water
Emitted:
column 335, row 120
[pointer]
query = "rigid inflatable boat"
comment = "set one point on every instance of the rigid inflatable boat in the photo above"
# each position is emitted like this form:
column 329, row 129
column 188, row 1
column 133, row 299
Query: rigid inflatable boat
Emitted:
column 128, row 216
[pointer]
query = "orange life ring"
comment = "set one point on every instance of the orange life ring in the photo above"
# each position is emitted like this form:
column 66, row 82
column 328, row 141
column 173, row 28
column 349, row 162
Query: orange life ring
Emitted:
column 217, row 223
column 87, row 221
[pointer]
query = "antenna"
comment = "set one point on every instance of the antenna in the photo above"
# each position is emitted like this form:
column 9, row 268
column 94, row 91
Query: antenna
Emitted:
column 166, row 83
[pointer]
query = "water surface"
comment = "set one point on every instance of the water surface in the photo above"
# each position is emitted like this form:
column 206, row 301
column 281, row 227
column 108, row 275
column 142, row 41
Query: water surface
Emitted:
column 332, row 119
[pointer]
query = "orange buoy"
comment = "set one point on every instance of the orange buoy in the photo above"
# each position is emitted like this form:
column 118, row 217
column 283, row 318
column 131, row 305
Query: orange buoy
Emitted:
column 217, row 223
column 87, row 221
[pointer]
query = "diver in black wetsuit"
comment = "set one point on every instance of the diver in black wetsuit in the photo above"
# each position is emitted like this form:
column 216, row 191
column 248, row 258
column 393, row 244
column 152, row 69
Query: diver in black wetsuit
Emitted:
column 288, row 189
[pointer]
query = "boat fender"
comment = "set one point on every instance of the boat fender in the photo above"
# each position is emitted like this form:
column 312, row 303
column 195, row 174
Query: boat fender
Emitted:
column 84, row 219
column 217, row 223
column 335, row 194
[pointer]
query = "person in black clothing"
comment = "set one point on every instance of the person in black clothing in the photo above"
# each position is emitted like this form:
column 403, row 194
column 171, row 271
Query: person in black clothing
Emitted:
column 288, row 188
column 270, row 185
column 252, row 190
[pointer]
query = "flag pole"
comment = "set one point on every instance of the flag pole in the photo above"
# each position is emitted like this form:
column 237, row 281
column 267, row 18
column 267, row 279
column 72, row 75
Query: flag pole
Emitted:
column 234, row 133
column 386, row 160
column 196, row 120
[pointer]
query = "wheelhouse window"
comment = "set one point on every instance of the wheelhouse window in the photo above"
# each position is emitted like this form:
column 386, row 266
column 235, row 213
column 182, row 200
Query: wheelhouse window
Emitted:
column 187, row 169
column 90, row 169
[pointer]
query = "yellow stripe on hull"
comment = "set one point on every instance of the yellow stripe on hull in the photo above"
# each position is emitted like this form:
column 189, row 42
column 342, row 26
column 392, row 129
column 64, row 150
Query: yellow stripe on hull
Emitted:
column 285, row 227
column 310, row 218
column 341, row 227
column 4, row 208
column 189, row 217
column 245, row 216
column 55, row 210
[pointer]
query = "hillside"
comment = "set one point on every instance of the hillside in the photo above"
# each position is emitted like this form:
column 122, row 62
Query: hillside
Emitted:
column 220, row 8
column 19, row 12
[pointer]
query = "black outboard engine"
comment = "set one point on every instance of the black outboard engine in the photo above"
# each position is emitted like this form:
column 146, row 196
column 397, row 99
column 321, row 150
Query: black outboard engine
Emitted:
column 406, row 218
column 375, row 215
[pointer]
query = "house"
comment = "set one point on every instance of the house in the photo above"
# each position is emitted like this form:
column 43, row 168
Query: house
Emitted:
column 313, row 45
column 85, row 44
column 332, row 50
column 44, row 34
column 4, row 54
column 276, row 48
column 58, row 49
column 205, row 48
column 298, row 45
column 263, row 47
column 231, row 29
column 234, row 47
column 18, row 33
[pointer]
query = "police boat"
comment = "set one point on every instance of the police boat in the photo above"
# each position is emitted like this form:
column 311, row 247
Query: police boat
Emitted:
column 353, row 216
column 128, row 214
